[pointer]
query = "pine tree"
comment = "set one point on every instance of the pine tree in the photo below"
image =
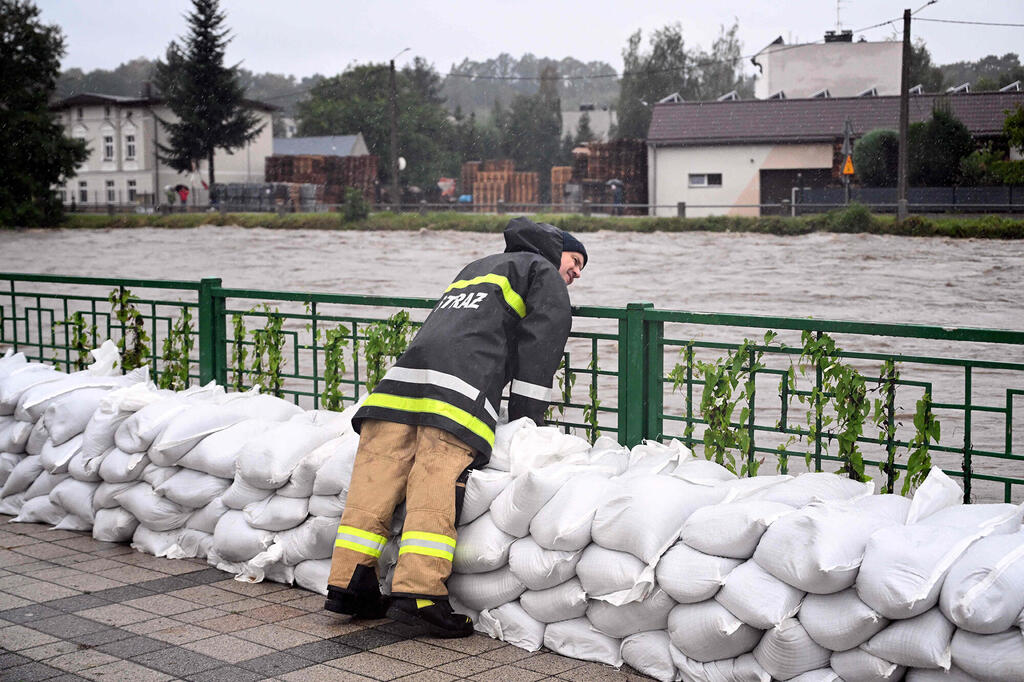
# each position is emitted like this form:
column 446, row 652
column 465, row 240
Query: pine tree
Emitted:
column 206, row 97
column 37, row 156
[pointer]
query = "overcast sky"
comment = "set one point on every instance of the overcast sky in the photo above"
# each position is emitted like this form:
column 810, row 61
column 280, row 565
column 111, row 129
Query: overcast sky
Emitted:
column 302, row 37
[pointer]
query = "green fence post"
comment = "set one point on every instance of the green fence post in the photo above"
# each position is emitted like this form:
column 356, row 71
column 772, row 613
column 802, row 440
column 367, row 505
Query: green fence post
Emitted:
column 208, row 355
column 654, row 373
column 632, row 379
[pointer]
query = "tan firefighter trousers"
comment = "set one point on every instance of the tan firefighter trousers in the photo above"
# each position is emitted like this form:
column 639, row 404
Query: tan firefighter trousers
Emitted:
column 422, row 465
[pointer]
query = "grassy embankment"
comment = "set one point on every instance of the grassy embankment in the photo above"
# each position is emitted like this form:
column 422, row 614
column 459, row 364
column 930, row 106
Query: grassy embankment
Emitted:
column 855, row 219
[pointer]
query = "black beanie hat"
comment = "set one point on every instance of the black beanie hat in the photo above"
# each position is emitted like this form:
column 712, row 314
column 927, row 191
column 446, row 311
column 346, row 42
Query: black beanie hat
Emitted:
column 570, row 243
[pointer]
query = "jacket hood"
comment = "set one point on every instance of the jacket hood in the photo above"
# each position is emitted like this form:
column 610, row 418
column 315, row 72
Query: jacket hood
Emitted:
column 522, row 234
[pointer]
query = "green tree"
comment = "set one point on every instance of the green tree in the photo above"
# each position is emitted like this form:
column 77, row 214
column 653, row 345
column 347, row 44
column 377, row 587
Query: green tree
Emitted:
column 876, row 158
column 206, row 97
column 936, row 148
column 922, row 71
column 532, row 130
column 988, row 73
column 583, row 132
column 36, row 155
column 1013, row 126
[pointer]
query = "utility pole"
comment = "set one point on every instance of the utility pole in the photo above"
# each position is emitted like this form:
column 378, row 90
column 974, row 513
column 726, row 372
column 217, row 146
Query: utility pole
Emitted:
column 396, row 198
column 901, row 202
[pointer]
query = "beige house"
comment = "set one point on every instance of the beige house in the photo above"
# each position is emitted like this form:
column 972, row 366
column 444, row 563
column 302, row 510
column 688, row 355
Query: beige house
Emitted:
column 122, row 134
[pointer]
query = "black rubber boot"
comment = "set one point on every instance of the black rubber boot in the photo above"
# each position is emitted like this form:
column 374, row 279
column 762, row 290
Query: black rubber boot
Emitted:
column 435, row 616
column 362, row 599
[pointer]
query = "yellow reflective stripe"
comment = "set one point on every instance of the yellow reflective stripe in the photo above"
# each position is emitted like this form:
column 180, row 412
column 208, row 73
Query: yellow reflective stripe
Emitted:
column 362, row 549
column 514, row 300
column 431, row 537
column 429, row 551
column 360, row 533
column 421, row 603
column 432, row 406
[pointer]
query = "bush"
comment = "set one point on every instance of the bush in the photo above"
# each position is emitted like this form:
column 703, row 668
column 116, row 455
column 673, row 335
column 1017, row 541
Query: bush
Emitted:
column 876, row 158
column 355, row 206
column 854, row 218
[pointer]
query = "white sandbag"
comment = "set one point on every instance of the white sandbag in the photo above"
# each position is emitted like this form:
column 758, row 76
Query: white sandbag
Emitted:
column 514, row 508
column 536, row 567
column 819, row 548
column 857, row 665
column 481, row 591
column 240, row 494
column 192, row 489
column 628, row 619
column 120, row 467
column 40, row 509
column 786, row 651
column 11, row 504
column 190, row 544
column 334, row 475
column 840, row 621
column 154, row 542
column 113, row 410
column 937, row 492
column 645, row 515
column 206, row 519
column 138, row 431
column 152, row 510
column 44, row 483
column 313, row 539
column 22, row 476
column 236, row 540
column 36, row 400
column 814, row 487
column 891, row 506
column 503, row 434
column 327, row 505
column 339, row 423
column 565, row 521
column 304, row 475
column 188, row 427
column 266, row 407
column 217, row 454
column 482, row 486
column 481, row 547
column 819, row 675
column 55, row 458
column 70, row 414
column 703, row 472
column 72, row 522
column 83, row 470
column 577, row 639
column 312, row 575
column 20, row 380
column 690, row 576
column 731, row 530
column 740, row 669
column 743, row 488
column 36, row 438
column 534, row 448
column 904, row 566
column 75, row 497
column 267, row 461
column 758, row 598
column 114, row 525
column 608, row 455
column 954, row 674
column 11, row 361
column 651, row 457
column 648, row 653
column 984, row 590
column 14, row 436
column 560, row 602
column 991, row 658
column 615, row 577
column 511, row 624
column 708, row 632
column 919, row 642
column 105, row 493
column 158, row 475
column 276, row 513
column 8, row 460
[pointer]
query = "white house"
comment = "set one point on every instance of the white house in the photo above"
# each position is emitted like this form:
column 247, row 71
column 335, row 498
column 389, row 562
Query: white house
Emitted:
column 122, row 134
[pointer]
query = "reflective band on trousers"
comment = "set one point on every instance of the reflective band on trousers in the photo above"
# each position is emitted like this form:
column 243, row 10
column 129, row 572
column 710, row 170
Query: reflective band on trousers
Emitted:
column 514, row 300
column 359, row 540
column 430, row 544
column 432, row 406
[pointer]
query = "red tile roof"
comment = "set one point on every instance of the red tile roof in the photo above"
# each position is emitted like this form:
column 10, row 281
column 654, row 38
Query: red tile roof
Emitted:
column 816, row 120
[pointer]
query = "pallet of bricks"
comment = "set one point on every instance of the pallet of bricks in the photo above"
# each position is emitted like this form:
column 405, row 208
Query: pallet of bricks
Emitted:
column 492, row 185
column 470, row 170
column 523, row 191
column 334, row 173
column 624, row 160
column 560, row 175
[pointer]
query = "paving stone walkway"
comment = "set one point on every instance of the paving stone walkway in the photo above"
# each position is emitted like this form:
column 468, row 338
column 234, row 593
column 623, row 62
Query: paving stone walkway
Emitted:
column 72, row 608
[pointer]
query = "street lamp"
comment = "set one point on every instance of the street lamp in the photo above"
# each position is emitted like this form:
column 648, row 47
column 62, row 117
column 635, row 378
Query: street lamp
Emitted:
column 396, row 199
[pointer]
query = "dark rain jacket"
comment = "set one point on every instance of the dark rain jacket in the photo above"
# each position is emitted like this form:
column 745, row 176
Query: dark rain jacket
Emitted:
column 505, row 318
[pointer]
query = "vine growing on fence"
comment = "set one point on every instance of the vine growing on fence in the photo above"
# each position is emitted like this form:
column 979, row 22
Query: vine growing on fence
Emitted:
column 79, row 339
column 882, row 416
column 590, row 409
column 334, row 343
column 565, row 379
column 927, row 430
column 239, row 353
column 134, row 341
column 177, row 351
column 267, row 358
column 385, row 339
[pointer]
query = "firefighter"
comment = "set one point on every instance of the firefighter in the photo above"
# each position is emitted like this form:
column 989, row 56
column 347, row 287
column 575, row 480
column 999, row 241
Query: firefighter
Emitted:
column 430, row 421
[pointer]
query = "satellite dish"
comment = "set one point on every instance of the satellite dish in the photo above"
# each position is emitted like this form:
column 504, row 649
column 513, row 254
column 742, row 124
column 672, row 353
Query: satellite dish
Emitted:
column 401, row 163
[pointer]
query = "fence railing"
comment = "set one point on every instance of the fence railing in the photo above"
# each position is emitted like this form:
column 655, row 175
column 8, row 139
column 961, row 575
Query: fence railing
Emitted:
column 775, row 404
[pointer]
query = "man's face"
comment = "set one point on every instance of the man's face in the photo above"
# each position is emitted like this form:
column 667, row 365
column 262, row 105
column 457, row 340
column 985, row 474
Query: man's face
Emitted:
column 572, row 266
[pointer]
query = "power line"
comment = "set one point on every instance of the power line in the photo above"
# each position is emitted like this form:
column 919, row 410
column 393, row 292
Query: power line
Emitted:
column 973, row 23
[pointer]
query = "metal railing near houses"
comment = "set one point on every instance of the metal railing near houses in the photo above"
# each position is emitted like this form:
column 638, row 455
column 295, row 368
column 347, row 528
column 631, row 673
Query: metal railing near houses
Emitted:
column 633, row 373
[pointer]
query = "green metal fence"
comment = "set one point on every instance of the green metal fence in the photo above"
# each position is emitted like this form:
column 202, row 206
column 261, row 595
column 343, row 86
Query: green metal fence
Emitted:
column 631, row 373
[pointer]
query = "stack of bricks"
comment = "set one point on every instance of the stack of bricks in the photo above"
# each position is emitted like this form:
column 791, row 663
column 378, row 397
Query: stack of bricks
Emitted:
column 560, row 175
column 490, row 188
column 499, row 166
column 624, row 160
column 523, row 189
column 335, row 173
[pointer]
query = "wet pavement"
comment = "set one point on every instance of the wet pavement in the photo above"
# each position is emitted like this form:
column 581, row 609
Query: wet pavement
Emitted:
column 73, row 608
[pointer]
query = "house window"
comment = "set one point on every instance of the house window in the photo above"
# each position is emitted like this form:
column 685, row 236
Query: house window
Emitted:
column 705, row 179
column 108, row 147
column 129, row 147
column 131, row 190
column 83, row 191
column 110, row 191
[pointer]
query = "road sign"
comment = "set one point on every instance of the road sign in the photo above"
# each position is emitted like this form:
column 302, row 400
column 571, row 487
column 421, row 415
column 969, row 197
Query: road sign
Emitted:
column 848, row 166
